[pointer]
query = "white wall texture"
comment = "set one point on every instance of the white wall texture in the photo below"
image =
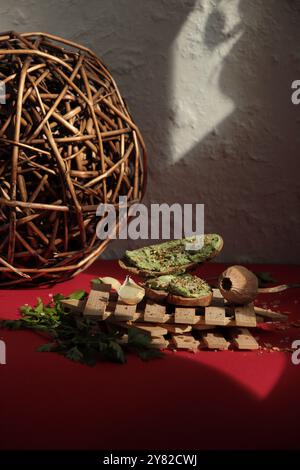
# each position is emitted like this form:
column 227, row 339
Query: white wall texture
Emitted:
column 209, row 83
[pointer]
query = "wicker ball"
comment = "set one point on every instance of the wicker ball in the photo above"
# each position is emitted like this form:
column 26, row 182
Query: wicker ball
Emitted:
column 67, row 144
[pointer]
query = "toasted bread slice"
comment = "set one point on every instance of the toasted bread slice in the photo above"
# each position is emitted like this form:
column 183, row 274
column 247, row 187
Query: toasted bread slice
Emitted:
column 183, row 290
column 157, row 288
column 181, row 301
column 171, row 257
column 155, row 294
column 147, row 273
column 189, row 291
column 162, row 295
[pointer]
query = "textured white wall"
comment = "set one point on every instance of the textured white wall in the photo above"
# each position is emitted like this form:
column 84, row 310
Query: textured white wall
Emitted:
column 209, row 83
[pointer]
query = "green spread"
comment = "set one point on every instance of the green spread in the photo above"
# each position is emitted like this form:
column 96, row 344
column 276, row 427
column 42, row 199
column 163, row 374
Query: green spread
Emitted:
column 172, row 254
column 159, row 283
column 187, row 285
column 184, row 285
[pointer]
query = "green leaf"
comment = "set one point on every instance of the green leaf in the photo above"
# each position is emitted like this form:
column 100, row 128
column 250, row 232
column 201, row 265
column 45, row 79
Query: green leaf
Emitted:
column 150, row 353
column 58, row 297
column 25, row 309
column 13, row 324
column 47, row 347
column 77, row 338
column 39, row 306
column 74, row 354
column 138, row 339
column 78, row 294
column 115, row 352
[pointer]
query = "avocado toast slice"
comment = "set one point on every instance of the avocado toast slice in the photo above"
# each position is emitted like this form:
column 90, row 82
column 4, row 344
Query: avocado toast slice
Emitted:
column 184, row 289
column 171, row 257
column 156, row 288
column 189, row 291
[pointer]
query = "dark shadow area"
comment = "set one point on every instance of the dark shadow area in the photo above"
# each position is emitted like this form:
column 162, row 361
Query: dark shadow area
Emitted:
column 241, row 170
column 180, row 402
column 256, row 75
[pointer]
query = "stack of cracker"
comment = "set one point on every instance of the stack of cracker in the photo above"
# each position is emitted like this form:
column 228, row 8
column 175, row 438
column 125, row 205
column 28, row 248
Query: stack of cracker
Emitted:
column 218, row 326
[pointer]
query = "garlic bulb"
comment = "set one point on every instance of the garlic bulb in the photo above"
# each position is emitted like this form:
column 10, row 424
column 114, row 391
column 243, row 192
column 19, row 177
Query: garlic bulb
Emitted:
column 130, row 292
column 115, row 284
column 238, row 285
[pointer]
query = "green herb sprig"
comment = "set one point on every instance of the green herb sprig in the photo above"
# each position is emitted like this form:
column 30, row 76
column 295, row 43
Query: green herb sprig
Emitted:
column 80, row 339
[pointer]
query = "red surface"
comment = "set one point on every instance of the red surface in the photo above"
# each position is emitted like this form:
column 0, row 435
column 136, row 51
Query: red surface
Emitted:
column 208, row 400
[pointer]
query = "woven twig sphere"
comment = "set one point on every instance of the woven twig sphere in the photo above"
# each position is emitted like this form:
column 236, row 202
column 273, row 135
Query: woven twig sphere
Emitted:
column 67, row 144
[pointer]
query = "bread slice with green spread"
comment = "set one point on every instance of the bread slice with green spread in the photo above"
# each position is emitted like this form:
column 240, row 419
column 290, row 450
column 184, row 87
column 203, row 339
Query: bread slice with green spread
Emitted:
column 189, row 291
column 172, row 257
column 156, row 288
column 183, row 290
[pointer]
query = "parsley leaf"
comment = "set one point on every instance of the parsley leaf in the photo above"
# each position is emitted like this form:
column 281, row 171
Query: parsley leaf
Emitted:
column 77, row 338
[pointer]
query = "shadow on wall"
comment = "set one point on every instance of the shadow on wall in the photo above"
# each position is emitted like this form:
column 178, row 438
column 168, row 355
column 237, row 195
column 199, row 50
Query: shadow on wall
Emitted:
column 245, row 169
column 248, row 164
